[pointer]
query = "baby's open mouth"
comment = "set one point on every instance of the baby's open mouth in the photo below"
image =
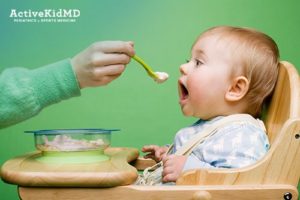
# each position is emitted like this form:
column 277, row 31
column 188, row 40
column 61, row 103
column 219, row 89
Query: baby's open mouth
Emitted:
column 184, row 93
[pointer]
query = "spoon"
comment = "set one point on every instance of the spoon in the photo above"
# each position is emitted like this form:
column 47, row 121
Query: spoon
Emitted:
column 157, row 76
column 150, row 72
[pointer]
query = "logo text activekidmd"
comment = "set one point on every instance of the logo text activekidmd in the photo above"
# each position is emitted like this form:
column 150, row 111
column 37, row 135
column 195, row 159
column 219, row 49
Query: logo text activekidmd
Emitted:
column 46, row 13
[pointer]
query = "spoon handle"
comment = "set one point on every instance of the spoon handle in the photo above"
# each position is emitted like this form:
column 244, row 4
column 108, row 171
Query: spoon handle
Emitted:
column 150, row 72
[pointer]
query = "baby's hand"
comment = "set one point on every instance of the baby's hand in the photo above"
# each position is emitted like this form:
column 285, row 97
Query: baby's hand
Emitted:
column 172, row 167
column 155, row 152
column 102, row 62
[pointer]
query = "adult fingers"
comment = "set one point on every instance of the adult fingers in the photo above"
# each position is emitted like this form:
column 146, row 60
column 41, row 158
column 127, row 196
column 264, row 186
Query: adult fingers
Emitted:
column 101, row 59
column 114, row 47
column 111, row 70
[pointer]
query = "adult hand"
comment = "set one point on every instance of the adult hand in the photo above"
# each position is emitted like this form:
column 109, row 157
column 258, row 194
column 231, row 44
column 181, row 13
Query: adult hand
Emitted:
column 102, row 62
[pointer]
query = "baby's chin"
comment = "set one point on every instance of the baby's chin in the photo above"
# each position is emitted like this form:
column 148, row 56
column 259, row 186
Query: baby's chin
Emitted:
column 186, row 112
column 189, row 113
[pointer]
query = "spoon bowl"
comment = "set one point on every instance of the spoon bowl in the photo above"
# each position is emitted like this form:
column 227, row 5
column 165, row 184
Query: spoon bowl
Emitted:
column 157, row 76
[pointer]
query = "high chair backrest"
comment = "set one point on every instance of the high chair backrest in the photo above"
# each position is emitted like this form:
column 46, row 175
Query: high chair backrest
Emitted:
column 281, row 165
column 285, row 100
column 283, row 127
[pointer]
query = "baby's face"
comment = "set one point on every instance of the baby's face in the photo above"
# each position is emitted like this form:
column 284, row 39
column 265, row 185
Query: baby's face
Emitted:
column 205, row 78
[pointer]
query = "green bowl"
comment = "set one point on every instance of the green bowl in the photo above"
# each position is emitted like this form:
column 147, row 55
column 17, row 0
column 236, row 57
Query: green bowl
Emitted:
column 72, row 145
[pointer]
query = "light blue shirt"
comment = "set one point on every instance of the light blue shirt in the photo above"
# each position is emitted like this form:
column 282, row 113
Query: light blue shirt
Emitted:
column 232, row 146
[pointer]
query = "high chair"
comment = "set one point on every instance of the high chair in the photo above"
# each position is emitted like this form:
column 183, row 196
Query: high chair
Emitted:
column 274, row 177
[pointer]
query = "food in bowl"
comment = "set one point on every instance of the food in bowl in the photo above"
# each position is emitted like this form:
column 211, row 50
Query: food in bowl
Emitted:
column 67, row 143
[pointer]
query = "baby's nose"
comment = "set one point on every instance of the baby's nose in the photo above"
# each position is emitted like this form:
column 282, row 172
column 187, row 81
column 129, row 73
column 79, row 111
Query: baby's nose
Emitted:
column 183, row 69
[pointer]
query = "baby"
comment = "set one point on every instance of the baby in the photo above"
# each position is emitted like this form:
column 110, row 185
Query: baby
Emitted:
column 232, row 70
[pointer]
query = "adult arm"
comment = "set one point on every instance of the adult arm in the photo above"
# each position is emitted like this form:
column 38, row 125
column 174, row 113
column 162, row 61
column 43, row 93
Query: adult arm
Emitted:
column 24, row 93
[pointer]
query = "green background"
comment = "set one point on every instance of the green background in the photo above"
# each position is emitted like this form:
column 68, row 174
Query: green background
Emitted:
column 163, row 32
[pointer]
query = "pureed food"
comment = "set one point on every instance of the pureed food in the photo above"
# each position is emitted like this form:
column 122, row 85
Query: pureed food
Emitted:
column 162, row 77
column 67, row 143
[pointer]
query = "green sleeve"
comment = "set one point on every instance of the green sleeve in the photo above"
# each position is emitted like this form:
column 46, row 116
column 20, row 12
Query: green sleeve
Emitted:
column 24, row 93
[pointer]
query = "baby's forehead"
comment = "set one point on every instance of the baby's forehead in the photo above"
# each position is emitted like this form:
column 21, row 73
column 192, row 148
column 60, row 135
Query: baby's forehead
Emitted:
column 217, row 47
column 214, row 41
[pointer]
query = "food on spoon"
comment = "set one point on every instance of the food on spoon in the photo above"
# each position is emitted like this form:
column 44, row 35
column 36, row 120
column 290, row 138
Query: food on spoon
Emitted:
column 162, row 77
column 159, row 77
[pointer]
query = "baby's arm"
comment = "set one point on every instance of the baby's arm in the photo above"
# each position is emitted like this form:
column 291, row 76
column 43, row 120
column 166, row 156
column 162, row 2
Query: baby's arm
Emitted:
column 232, row 147
column 155, row 152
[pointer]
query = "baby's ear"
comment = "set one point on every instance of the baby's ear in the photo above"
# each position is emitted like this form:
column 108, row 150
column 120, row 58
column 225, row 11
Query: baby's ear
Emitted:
column 238, row 89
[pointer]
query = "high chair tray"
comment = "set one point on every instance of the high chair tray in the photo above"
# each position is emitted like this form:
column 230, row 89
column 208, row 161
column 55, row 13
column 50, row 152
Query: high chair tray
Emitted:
column 26, row 170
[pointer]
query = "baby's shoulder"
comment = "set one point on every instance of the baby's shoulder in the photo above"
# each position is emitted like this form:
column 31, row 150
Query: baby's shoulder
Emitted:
column 244, row 130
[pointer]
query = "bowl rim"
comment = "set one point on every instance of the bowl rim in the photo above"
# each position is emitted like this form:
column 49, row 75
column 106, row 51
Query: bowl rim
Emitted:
column 72, row 131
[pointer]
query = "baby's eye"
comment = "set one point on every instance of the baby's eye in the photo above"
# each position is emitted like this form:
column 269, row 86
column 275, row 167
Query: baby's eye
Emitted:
column 187, row 60
column 198, row 62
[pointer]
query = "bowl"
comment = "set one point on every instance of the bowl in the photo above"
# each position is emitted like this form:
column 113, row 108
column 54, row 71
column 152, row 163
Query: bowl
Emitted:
column 65, row 140
column 72, row 145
